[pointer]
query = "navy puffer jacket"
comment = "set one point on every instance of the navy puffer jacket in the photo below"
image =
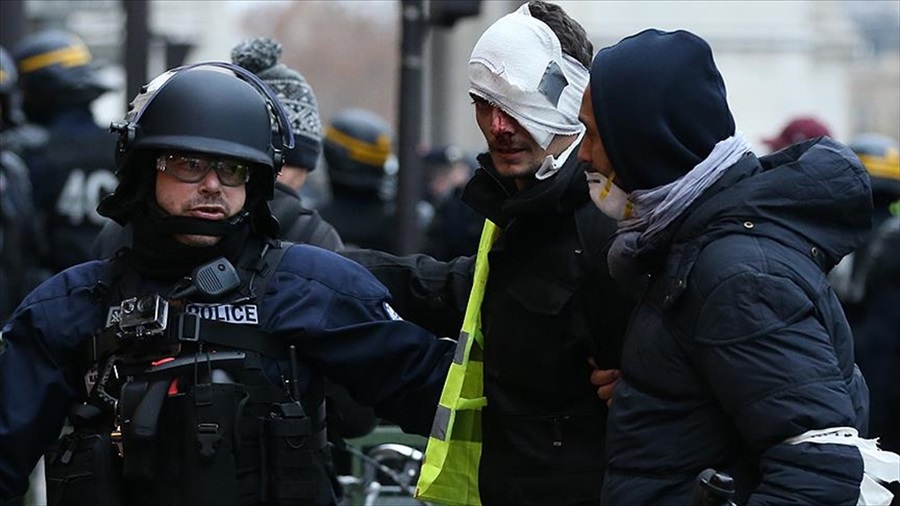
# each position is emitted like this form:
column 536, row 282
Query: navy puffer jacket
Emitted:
column 739, row 343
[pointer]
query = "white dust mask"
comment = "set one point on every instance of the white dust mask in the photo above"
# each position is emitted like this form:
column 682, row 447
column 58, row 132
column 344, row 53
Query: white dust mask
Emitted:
column 608, row 197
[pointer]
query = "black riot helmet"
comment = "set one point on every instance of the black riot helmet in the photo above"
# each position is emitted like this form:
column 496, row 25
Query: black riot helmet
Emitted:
column 357, row 146
column 214, row 108
column 880, row 155
column 55, row 70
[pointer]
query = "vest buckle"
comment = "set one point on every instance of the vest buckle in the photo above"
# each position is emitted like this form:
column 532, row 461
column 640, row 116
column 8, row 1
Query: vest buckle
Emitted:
column 208, row 436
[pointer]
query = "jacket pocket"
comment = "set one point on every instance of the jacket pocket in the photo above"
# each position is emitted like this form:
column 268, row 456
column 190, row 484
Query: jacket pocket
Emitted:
column 540, row 294
column 529, row 341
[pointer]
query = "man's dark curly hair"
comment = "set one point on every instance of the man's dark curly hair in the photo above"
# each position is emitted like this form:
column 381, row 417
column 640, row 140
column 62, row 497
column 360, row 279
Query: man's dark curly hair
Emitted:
column 571, row 35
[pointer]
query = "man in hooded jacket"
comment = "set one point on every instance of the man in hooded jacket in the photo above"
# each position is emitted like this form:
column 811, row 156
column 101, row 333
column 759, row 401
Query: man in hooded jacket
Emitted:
column 738, row 356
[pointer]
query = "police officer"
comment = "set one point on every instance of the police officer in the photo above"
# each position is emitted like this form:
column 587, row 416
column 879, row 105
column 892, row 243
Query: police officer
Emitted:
column 297, row 223
column 880, row 155
column 191, row 365
column 74, row 168
column 19, row 236
column 357, row 148
column 869, row 283
column 456, row 227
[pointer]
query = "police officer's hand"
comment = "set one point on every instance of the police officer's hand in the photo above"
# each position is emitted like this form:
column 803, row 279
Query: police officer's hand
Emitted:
column 605, row 381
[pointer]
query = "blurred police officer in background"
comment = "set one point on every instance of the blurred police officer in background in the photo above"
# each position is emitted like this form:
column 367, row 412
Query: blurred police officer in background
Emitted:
column 358, row 145
column 21, row 239
column 191, row 365
column 881, row 157
column 868, row 283
column 75, row 167
column 456, row 227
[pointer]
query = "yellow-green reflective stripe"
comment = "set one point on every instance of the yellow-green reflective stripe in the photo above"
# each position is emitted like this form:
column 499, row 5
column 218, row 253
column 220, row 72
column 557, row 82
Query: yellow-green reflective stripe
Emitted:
column 72, row 56
column 475, row 352
column 461, row 347
column 441, row 420
column 466, row 424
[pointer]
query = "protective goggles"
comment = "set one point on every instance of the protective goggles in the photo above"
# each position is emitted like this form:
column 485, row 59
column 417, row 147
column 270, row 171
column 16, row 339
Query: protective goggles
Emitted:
column 193, row 168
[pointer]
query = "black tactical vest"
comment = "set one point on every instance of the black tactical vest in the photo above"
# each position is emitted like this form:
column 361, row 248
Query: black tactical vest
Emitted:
column 188, row 410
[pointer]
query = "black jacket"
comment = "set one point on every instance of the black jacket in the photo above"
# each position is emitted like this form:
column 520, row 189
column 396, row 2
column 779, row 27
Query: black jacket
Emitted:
column 69, row 175
column 549, row 305
column 21, row 237
column 739, row 343
column 302, row 225
column 361, row 217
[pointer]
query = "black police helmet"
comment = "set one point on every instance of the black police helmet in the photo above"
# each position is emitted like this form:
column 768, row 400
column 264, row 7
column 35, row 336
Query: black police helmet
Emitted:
column 200, row 108
column 357, row 145
column 55, row 69
column 880, row 155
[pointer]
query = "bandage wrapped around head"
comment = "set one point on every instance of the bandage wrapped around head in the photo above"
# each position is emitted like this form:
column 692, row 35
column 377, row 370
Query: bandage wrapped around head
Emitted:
column 518, row 65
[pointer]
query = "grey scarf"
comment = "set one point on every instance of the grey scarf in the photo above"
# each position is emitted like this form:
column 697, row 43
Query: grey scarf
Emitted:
column 656, row 208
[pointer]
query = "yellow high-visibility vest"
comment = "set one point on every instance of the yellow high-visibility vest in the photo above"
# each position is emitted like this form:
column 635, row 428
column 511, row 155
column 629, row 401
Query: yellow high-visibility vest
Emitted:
column 449, row 472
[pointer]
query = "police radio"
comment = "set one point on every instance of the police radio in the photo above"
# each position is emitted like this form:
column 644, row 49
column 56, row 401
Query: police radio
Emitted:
column 144, row 318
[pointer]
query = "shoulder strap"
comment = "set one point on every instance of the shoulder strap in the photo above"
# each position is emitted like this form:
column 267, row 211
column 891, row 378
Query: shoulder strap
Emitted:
column 307, row 231
column 117, row 279
column 193, row 328
column 266, row 265
column 190, row 328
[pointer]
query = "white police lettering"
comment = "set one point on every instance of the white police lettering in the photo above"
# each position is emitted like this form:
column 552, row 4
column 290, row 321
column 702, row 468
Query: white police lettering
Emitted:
column 82, row 192
column 244, row 314
column 390, row 311
column 114, row 315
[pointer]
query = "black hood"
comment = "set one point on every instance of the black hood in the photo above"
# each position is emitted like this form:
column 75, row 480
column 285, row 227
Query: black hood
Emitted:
column 660, row 106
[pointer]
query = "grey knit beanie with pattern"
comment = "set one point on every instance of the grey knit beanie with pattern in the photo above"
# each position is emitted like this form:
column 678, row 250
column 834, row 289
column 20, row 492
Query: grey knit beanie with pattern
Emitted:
column 260, row 55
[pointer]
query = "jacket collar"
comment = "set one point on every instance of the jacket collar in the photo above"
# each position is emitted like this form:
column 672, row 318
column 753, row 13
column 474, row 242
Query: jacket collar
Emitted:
column 498, row 199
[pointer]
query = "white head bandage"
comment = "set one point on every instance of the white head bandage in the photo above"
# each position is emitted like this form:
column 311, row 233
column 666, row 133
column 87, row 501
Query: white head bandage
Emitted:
column 518, row 64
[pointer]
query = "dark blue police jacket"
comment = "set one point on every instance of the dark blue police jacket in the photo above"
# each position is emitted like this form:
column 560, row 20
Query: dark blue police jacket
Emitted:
column 333, row 310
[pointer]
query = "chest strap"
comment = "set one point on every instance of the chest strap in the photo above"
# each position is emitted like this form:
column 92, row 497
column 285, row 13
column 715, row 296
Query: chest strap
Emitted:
column 193, row 329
